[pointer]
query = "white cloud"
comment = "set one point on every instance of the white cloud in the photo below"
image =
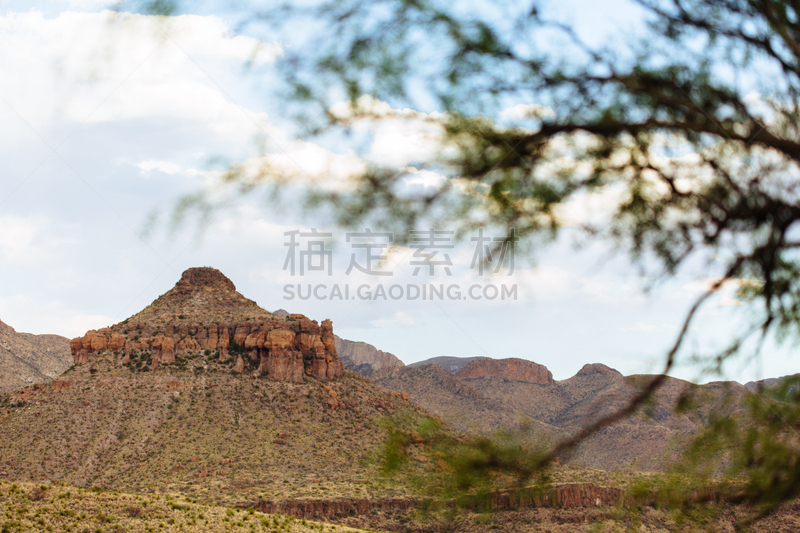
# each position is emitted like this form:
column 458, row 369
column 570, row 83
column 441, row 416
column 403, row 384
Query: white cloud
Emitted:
column 17, row 236
column 642, row 327
column 368, row 107
column 86, row 4
column 29, row 314
column 400, row 318
column 526, row 111
column 424, row 178
column 124, row 67
column 162, row 166
column 304, row 163
column 400, row 136
column 29, row 240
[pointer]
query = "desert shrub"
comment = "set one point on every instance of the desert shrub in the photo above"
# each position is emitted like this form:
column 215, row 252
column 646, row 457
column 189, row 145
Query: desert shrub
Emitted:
column 38, row 493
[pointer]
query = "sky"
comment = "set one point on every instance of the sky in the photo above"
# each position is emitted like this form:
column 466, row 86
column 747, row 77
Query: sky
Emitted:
column 106, row 123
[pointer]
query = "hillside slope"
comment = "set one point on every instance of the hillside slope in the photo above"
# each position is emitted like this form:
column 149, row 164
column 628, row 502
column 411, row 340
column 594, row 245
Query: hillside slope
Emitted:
column 211, row 434
column 206, row 394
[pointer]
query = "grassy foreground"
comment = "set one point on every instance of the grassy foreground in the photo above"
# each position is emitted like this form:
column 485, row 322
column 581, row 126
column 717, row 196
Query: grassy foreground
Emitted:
column 31, row 507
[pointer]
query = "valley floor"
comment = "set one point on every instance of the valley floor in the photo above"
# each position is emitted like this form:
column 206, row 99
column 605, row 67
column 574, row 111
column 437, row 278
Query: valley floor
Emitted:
column 30, row 507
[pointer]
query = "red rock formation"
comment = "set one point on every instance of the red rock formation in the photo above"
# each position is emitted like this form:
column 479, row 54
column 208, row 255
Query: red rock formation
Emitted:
column 511, row 369
column 285, row 349
column 568, row 495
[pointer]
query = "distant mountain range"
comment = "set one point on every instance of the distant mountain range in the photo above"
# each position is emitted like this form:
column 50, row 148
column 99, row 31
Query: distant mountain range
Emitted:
column 26, row 359
column 483, row 395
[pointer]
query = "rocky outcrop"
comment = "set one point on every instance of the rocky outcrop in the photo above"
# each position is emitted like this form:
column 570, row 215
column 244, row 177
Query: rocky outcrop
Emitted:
column 285, row 349
column 364, row 358
column 512, row 369
column 597, row 369
column 564, row 496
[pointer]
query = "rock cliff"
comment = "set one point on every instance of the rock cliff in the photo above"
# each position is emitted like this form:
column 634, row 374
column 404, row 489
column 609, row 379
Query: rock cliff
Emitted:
column 204, row 312
column 364, row 358
column 511, row 369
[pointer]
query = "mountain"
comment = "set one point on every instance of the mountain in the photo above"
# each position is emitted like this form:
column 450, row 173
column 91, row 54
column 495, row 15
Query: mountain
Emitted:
column 27, row 358
column 486, row 395
column 203, row 312
column 205, row 394
column 451, row 364
column 767, row 383
column 364, row 358
column 511, row 368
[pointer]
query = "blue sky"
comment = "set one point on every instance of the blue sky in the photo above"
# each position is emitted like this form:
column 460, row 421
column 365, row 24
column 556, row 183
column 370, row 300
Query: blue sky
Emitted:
column 104, row 123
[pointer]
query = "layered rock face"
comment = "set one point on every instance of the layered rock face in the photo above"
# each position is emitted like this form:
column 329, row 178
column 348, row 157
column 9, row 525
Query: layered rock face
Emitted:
column 511, row 369
column 194, row 316
column 365, row 358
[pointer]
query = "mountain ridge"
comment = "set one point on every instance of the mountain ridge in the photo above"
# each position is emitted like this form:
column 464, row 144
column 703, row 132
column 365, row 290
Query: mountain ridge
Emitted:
column 488, row 395
column 26, row 358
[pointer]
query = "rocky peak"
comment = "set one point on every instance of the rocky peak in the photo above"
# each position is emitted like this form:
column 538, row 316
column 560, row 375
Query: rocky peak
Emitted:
column 597, row 369
column 204, row 313
column 512, row 369
column 202, row 295
column 195, row 278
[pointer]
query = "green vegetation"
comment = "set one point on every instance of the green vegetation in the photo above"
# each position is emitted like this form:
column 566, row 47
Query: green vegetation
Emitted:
column 30, row 508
